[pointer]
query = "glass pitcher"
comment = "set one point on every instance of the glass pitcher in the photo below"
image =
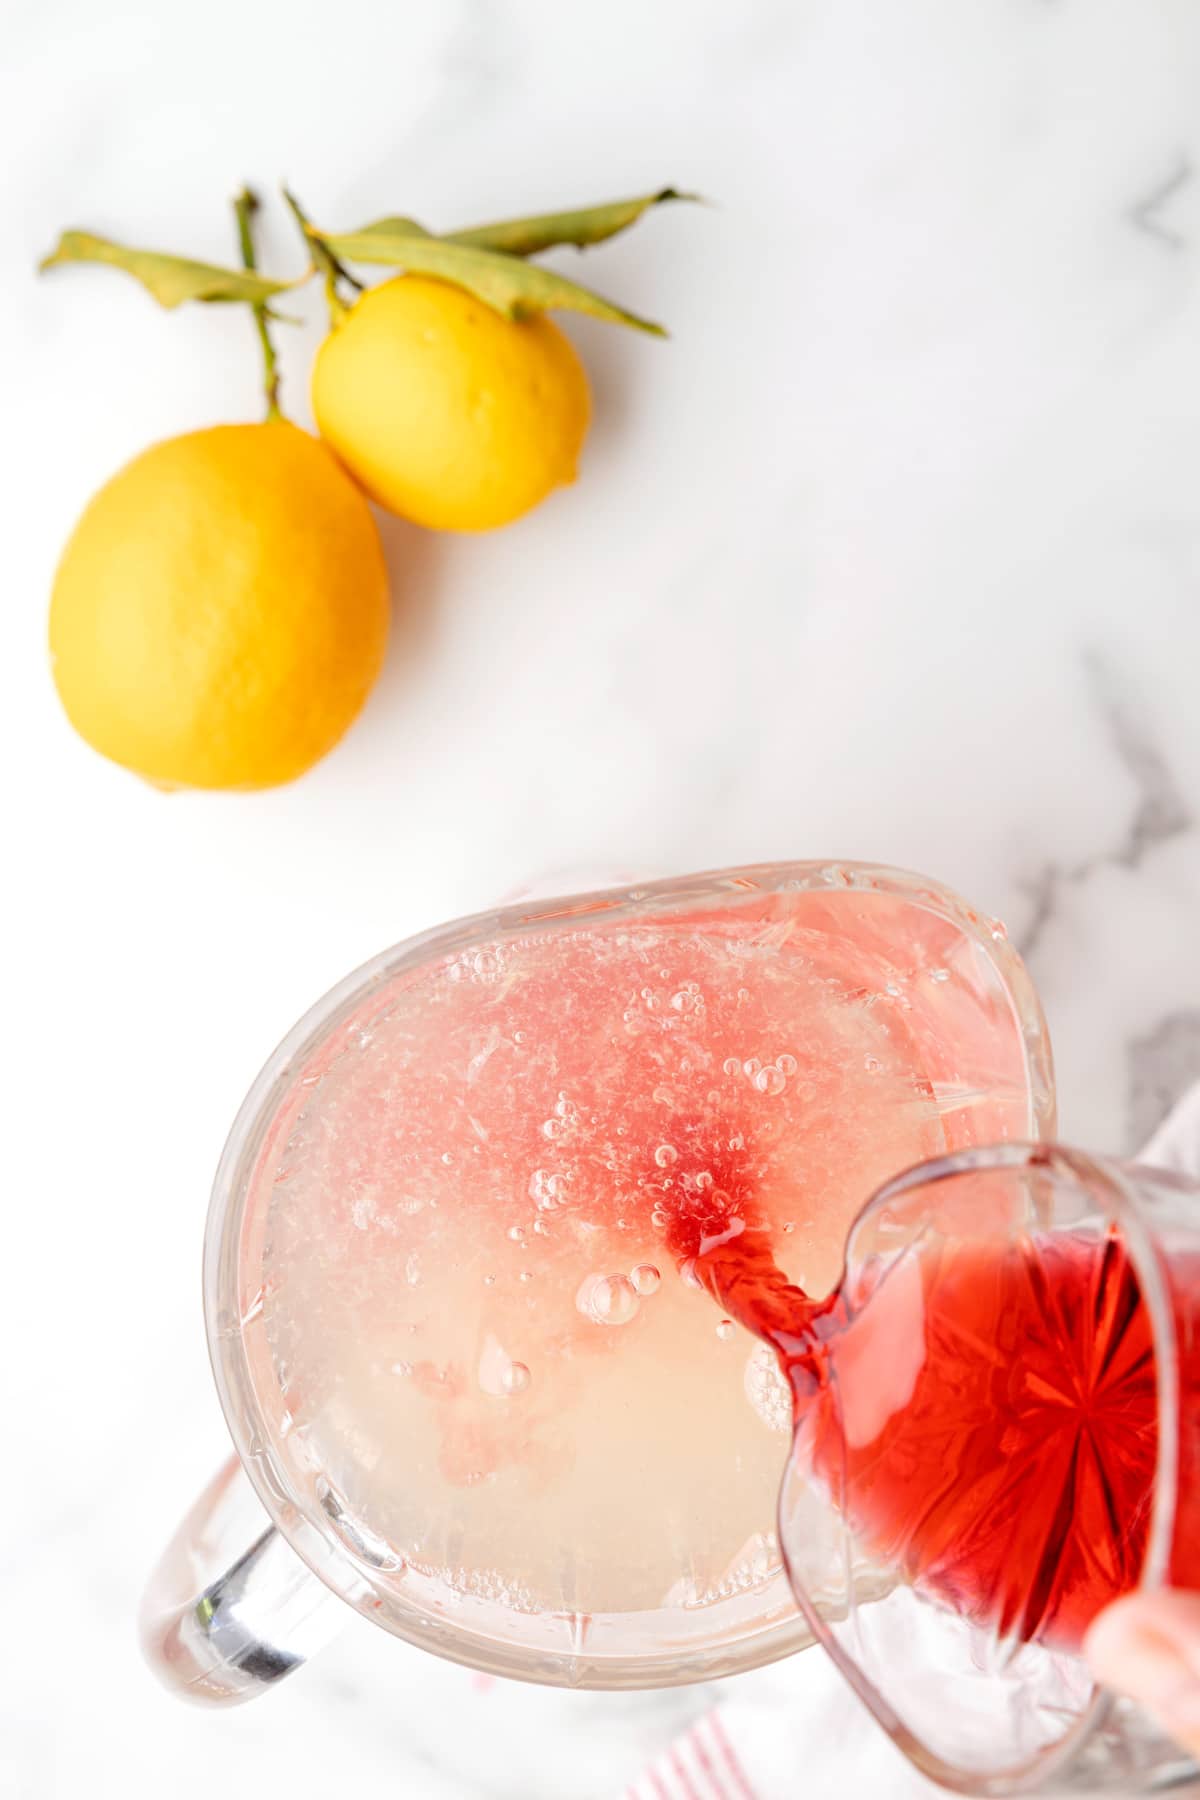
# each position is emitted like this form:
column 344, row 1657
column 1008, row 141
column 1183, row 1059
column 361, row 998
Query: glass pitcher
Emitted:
column 474, row 1388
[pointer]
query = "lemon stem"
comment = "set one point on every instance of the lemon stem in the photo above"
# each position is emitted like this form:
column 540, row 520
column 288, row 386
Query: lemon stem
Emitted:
column 324, row 261
column 245, row 207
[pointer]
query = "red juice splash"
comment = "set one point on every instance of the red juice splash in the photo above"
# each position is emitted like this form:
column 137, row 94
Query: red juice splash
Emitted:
column 984, row 1416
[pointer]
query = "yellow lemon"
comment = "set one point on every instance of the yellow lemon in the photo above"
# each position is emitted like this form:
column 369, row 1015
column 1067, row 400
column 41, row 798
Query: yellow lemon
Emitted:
column 445, row 411
column 221, row 609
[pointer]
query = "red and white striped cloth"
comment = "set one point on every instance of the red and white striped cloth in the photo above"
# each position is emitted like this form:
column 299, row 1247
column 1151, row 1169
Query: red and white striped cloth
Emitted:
column 797, row 1729
column 702, row 1765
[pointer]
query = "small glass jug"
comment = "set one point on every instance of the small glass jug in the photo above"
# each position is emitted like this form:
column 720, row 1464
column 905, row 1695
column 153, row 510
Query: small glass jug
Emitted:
column 998, row 1435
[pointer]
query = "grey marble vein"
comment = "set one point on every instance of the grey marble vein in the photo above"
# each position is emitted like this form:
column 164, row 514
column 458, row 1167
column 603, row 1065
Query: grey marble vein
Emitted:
column 1160, row 812
column 1163, row 1063
column 1145, row 215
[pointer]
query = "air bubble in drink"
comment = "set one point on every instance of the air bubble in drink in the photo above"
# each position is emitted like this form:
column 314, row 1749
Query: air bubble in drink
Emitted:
column 607, row 1299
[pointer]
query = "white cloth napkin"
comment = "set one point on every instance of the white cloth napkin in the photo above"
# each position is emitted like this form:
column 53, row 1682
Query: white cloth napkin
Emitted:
column 797, row 1730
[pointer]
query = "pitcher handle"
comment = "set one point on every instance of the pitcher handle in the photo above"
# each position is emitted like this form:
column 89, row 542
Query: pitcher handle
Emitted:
column 231, row 1609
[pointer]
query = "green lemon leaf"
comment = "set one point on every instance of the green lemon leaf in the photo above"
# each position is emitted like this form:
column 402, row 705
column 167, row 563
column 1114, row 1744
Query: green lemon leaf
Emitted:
column 170, row 279
column 505, row 283
column 581, row 227
column 397, row 226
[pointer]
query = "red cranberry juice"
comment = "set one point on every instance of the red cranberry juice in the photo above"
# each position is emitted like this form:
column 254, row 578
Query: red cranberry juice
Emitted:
column 986, row 1418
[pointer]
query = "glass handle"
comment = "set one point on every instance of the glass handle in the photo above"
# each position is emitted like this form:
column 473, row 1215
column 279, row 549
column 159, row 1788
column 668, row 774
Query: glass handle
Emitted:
column 231, row 1609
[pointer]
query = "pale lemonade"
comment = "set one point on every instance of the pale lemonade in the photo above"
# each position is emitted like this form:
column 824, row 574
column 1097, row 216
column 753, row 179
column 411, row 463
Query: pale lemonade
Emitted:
column 472, row 1292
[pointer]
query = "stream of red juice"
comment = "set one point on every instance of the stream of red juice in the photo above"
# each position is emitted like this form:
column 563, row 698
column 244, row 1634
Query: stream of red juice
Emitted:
column 1009, row 1470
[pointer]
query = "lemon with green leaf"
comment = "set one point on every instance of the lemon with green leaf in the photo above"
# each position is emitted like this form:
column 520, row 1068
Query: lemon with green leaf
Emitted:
column 446, row 391
column 221, row 609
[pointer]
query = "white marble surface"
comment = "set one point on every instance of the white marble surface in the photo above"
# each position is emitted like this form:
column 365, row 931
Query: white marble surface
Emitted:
column 893, row 551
